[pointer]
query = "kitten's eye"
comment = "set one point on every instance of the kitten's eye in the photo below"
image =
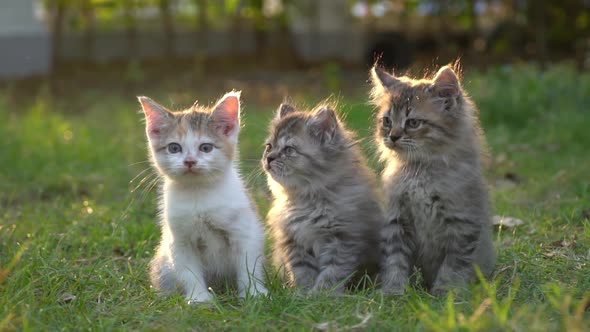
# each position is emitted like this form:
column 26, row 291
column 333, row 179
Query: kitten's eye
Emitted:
column 174, row 148
column 386, row 121
column 206, row 147
column 413, row 123
column 289, row 150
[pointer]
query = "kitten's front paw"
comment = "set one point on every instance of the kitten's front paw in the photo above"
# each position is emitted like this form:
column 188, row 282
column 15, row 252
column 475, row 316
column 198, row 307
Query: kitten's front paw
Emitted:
column 254, row 292
column 327, row 289
column 396, row 291
column 439, row 291
column 200, row 298
column 259, row 291
column 301, row 291
column 197, row 302
column 394, row 286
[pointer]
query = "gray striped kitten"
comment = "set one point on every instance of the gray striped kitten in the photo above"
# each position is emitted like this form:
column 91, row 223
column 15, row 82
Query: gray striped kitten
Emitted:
column 438, row 216
column 325, row 219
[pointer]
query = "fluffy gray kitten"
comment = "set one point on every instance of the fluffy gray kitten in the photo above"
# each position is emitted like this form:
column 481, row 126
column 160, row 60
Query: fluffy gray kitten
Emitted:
column 438, row 216
column 325, row 218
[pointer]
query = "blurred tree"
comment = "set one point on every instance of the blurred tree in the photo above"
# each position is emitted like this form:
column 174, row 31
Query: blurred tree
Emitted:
column 472, row 13
column 57, row 13
column 86, row 8
column 254, row 12
column 202, row 20
column 129, row 12
column 167, row 27
column 266, row 23
column 537, row 9
column 233, row 9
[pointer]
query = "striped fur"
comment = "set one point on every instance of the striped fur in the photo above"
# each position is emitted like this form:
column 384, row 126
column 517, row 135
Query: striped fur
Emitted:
column 438, row 216
column 325, row 218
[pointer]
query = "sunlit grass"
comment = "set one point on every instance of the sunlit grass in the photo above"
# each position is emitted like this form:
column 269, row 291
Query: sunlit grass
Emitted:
column 75, row 240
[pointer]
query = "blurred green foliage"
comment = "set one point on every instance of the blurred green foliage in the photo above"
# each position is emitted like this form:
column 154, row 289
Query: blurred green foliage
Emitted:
column 534, row 29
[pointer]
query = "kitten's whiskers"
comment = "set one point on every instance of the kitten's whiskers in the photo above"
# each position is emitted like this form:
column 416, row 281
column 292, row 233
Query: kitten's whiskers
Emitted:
column 145, row 179
column 140, row 162
column 140, row 174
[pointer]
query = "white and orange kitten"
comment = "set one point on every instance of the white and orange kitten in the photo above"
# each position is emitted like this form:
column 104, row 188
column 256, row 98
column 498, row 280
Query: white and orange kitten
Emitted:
column 211, row 232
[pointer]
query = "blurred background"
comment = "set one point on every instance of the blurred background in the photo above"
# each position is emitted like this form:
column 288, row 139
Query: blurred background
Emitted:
column 123, row 43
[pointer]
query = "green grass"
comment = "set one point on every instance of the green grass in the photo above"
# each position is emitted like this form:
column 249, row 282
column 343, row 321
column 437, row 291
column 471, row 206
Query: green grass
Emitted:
column 70, row 225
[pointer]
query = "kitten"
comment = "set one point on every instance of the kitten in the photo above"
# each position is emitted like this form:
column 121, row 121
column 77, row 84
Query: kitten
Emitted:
column 210, row 230
column 325, row 218
column 439, row 212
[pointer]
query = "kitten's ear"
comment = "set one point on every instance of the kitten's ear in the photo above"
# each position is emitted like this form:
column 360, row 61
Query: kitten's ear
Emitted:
column 446, row 83
column 156, row 115
column 383, row 79
column 284, row 109
column 323, row 124
column 225, row 117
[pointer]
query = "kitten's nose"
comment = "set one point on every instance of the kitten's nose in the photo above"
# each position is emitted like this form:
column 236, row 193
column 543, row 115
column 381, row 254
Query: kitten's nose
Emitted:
column 269, row 159
column 190, row 163
column 395, row 137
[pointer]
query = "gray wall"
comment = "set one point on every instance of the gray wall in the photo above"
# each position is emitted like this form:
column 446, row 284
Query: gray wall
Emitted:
column 25, row 48
column 109, row 46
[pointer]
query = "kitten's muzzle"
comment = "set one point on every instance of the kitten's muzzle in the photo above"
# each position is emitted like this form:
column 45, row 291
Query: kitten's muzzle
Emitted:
column 270, row 158
column 395, row 137
column 190, row 163
column 395, row 134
